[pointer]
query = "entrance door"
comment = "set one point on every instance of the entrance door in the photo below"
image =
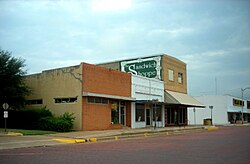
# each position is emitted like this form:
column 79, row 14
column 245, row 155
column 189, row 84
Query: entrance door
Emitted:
column 123, row 113
column 148, row 118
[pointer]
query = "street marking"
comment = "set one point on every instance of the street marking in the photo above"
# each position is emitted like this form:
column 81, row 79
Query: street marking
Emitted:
column 212, row 128
column 69, row 140
column 92, row 139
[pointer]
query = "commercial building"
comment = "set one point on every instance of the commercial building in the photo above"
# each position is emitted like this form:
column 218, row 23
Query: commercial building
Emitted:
column 136, row 93
column 172, row 72
column 222, row 109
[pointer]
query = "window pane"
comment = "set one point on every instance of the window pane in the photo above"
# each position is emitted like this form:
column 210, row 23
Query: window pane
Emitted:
column 104, row 101
column 158, row 113
column 98, row 100
column 170, row 75
column 180, row 78
column 91, row 100
column 139, row 112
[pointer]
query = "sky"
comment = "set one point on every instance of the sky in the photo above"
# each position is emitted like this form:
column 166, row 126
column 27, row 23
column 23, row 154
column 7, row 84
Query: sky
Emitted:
column 211, row 36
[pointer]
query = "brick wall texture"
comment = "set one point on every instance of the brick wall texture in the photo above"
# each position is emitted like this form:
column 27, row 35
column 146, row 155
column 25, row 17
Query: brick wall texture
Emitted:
column 102, row 81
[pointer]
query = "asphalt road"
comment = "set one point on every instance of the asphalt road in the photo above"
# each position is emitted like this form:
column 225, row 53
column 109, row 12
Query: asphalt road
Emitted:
column 226, row 145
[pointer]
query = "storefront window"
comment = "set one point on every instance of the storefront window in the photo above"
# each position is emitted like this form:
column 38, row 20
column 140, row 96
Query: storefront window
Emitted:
column 97, row 100
column 158, row 113
column 170, row 75
column 114, row 112
column 140, row 112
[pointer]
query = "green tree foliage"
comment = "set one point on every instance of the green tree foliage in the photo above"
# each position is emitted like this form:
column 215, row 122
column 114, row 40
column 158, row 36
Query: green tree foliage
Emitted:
column 12, row 87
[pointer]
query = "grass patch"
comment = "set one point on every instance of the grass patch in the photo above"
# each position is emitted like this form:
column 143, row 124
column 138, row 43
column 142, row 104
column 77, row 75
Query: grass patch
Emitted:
column 29, row 132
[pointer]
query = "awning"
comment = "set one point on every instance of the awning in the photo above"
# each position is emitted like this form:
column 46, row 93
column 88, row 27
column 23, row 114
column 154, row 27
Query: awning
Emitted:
column 89, row 94
column 149, row 102
column 177, row 98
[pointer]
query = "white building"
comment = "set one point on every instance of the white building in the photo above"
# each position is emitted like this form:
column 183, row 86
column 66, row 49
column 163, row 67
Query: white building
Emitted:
column 225, row 110
column 144, row 111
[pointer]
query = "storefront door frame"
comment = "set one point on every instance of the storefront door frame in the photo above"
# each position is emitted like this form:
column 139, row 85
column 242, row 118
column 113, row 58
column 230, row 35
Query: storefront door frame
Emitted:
column 122, row 113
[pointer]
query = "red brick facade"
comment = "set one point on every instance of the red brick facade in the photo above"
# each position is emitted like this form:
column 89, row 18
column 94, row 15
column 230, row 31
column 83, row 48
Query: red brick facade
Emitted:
column 105, row 81
column 101, row 80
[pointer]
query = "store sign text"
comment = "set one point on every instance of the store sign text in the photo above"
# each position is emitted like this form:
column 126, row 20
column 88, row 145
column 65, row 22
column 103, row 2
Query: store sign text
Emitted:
column 237, row 102
column 146, row 69
column 143, row 67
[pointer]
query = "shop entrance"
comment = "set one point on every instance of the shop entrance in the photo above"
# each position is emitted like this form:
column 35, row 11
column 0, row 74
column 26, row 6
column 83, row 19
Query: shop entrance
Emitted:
column 175, row 116
column 148, row 118
column 122, row 113
column 118, row 112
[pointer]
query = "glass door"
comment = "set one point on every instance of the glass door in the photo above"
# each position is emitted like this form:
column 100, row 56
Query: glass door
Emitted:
column 122, row 113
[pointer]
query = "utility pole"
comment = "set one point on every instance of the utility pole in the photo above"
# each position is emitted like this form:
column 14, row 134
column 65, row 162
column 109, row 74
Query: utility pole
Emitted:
column 242, row 115
column 211, row 107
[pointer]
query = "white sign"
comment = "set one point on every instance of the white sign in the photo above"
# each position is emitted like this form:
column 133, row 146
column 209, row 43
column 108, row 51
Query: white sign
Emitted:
column 5, row 114
column 5, row 106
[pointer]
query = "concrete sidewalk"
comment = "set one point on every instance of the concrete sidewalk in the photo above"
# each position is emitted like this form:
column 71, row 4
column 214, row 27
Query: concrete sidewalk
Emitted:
column 10, row 142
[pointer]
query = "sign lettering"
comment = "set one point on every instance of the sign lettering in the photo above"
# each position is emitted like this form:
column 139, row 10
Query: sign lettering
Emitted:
column 237, row 102
column 148, row 67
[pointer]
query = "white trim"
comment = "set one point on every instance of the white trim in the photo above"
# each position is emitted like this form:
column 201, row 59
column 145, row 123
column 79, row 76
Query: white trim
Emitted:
column 86, row 94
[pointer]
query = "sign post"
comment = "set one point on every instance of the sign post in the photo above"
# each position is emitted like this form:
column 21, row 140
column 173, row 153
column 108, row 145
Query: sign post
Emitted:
column 211, row 107
column 5, row 115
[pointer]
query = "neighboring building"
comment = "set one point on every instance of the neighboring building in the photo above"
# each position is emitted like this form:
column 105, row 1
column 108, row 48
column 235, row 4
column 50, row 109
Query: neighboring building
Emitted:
column 173, row 73
column 226, row 110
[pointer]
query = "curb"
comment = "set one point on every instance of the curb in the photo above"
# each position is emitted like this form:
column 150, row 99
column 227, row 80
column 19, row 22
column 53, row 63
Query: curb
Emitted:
column 144, row 134
column 212, row 128
column 75, row 140
column 131, row 135
column 70, row 140
column 11, row 134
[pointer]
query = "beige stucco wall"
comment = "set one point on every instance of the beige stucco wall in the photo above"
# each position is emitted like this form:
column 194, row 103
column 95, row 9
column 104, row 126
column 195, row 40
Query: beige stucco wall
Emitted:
column 176, row 65
column 58, row 83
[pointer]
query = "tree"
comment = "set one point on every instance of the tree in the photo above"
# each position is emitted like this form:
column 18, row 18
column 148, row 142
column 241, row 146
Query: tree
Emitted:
column 12, row 87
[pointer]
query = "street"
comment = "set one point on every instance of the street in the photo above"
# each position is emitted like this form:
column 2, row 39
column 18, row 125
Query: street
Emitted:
column 226, row 145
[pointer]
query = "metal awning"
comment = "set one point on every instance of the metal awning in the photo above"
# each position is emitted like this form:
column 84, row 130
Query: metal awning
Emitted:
column 176, row 98
column 89, row 94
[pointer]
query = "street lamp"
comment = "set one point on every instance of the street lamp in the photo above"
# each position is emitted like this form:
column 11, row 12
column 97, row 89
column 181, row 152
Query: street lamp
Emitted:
column 194, row 117
column 155, row 101
column 242, row 90
column 211, row 107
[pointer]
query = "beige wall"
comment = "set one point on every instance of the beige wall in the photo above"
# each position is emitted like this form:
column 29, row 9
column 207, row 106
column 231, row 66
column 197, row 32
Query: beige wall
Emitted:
column 58, row 83
column 176, row 65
